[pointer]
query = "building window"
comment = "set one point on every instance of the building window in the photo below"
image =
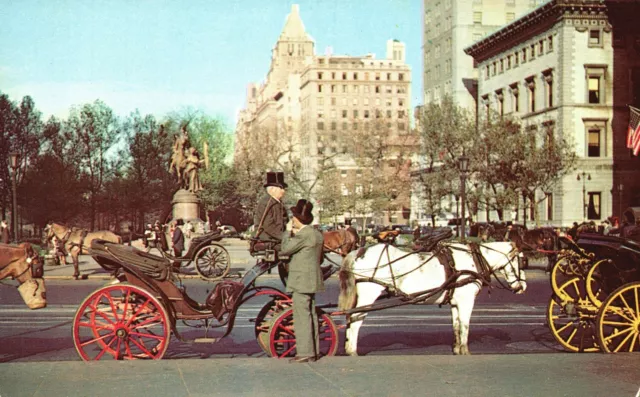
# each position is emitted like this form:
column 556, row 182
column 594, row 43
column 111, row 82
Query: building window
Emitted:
column 345, row 125
column 320, row 101
column 510, row 16
column 320, row 114
column 531, row 90
column 344, row 114
column 487, row 108
column 355, row 125
column 524, row 55
column 355, row 101
column 345, row 88
column 593, row 205
column 355, row 76
column 401, row 126
column 549, row 204
column 333, row 88
column 541, row 47
column 388, row 76
column 595, row 38
column 356, row 89
column 595, row 75
column 516, row 59
column 355, row 113
column 508, row 62
column 548, row 88
column 550, row 44
column 366, row 114
column 594, row 142
column 319, row 75
column 343, row 188
column 502, row 66
column 333, row 101
column 477, row 18
column 320, row 125
column 377, row 76
column 344, row 76
column 319, row 87
column 487, row 74
column 515, row 98
column 377, row 89
column 533, row 51
column 400, row 114
column 334, row 125
column 401, row 76
column 366, row 89
column 366, row 101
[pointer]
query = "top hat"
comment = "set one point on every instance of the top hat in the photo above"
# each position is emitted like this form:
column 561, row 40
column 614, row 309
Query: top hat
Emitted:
column 276, row 179
column 302, row 211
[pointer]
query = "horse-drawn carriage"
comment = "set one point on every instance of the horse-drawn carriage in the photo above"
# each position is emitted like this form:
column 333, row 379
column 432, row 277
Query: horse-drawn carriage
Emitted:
column 134, row 316
column 595, row 303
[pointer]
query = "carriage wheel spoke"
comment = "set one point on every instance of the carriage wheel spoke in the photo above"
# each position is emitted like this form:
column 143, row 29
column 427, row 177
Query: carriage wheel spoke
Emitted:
column 152, row 336
column 126, row 303
column 628, row 307
column 128, row 350
column 155, row 318
column 618, row 323
column 114, row 310
column 285, row 329
column 96, row 339
column 618, row 311
column 135, row 315
column 142, row 347
column 104, row 350
column 617, row 334
column 570, row 338
column 624, row 341
column 635, row 292
column 567, row 325
column 287, row 352
column 633, row 341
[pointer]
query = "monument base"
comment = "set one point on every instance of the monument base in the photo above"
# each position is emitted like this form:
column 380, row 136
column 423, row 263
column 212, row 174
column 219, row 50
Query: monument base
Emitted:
column 186, row 206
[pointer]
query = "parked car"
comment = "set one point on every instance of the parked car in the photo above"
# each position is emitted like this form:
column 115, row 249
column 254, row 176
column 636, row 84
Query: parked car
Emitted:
column 228, row 230
column 404, row 229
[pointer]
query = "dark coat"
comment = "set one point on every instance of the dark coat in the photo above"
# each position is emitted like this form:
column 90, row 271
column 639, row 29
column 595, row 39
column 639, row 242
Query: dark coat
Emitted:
column 305, row 249
column 178, row 240
column 275, row 218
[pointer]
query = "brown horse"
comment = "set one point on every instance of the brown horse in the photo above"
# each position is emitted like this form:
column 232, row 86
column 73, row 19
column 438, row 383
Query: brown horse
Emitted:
column 22, row 263
column 78, row 241
column 341, row 241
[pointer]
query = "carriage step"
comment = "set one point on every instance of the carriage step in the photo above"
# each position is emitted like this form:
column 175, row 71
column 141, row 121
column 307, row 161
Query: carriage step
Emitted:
column 205, row 340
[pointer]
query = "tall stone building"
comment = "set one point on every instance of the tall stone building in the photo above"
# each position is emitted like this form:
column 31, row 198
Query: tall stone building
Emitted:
column 310, row 104
column 572, row 66
column 449, row 27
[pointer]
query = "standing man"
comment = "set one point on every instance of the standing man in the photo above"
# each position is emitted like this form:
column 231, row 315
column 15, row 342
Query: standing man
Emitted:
column 271, row 217
column 177, row 240
column 305, row 279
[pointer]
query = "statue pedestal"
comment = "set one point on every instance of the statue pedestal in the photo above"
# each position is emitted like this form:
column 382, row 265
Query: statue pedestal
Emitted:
column 186, row 206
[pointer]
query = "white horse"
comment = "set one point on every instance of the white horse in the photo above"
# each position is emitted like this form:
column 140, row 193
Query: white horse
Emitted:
column 384, row 266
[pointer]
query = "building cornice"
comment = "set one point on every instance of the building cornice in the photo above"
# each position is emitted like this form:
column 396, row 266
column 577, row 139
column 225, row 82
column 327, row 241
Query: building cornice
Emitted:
column 539, row 20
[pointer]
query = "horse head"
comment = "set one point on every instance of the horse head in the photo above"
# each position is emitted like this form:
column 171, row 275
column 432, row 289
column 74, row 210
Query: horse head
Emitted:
column 25, row 265
column 504, row 257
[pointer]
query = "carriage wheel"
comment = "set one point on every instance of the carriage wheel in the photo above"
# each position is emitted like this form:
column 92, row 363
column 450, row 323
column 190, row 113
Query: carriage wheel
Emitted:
column 212, row 262
column 124, row 321
column 594, row 283
column 570, row 316
column 618, row 321
column 264, row 321
column 566, row 267
column 282, row 342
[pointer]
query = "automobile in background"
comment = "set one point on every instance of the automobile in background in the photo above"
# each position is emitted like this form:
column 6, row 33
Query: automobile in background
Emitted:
column 228, row 230
column 404, row 229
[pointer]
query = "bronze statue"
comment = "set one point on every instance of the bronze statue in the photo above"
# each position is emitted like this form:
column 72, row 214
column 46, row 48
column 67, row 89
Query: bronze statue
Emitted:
column 185, row 162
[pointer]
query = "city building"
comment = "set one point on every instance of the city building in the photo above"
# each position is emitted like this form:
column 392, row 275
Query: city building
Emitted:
column 449, row 27
column 310, row 105
column 572, row 66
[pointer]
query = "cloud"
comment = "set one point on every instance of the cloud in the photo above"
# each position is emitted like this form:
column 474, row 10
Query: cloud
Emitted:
column 54, row 98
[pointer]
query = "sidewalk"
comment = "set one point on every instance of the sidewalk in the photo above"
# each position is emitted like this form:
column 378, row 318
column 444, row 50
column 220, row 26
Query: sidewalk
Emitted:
column 562, row 374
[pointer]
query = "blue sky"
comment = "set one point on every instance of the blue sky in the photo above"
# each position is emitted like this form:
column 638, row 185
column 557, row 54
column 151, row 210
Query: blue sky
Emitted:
column 160, row 56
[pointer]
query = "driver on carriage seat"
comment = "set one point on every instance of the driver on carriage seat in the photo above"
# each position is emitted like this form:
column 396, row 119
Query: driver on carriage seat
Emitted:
column 271, row 216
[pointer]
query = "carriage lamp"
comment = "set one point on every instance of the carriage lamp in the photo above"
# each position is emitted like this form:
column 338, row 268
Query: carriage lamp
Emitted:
column 463, row 164
column 13, row 161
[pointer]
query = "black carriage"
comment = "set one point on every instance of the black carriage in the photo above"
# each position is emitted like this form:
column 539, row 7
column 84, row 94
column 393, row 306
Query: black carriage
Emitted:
column 210, row 258
column 596, row 295
column 134, row 316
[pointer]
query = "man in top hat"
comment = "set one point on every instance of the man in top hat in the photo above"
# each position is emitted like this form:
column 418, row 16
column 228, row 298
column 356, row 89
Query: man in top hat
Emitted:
column 305, row 279
column 271, row 217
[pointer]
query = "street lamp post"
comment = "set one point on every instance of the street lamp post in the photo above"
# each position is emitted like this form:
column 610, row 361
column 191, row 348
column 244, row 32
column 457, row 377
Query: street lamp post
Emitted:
column 584, row 177
column 13, row 160
column 463, row 163
column 620, row 189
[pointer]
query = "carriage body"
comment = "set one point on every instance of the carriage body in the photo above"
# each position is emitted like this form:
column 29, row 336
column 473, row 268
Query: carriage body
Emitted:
column 134, row 316
column 596, row 295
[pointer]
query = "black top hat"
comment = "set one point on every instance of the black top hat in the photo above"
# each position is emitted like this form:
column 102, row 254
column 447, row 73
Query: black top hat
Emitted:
column 276, row 179
column 302, row 211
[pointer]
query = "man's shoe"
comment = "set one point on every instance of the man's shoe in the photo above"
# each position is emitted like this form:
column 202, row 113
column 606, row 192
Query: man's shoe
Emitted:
column 304, row 359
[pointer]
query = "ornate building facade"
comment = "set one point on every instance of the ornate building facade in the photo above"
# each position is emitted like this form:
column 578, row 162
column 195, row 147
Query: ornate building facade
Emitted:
column 571, row 65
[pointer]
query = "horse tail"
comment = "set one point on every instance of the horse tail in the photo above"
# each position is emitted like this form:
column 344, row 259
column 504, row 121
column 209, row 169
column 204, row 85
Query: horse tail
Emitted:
column 347, row 298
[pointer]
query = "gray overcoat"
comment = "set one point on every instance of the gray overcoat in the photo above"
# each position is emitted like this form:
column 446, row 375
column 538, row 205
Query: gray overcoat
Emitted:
column 305, row 249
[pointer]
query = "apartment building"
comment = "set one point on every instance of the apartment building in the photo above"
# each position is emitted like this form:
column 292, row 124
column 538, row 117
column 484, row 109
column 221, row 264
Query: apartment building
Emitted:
column 310, row 102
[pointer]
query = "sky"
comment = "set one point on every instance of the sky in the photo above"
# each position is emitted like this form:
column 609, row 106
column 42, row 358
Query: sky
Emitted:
column 162, row 56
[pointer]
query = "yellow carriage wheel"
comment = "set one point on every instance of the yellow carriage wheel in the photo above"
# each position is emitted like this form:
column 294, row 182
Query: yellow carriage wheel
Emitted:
column 618, row 322
column 594, row 283
column 570, row 316
column 559, row 273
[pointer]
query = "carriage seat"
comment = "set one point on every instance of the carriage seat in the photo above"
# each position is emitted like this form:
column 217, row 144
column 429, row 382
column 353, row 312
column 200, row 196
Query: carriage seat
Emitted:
column 113, row 256
column 429, row 243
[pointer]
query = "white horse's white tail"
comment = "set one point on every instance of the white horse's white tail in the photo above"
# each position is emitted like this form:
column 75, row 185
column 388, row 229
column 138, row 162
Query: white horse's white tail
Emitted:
column 347, row 298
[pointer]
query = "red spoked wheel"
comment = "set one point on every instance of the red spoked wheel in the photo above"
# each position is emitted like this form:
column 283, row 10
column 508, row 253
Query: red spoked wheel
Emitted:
column 123, row 322
column 264, row 321
column 282, row 338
